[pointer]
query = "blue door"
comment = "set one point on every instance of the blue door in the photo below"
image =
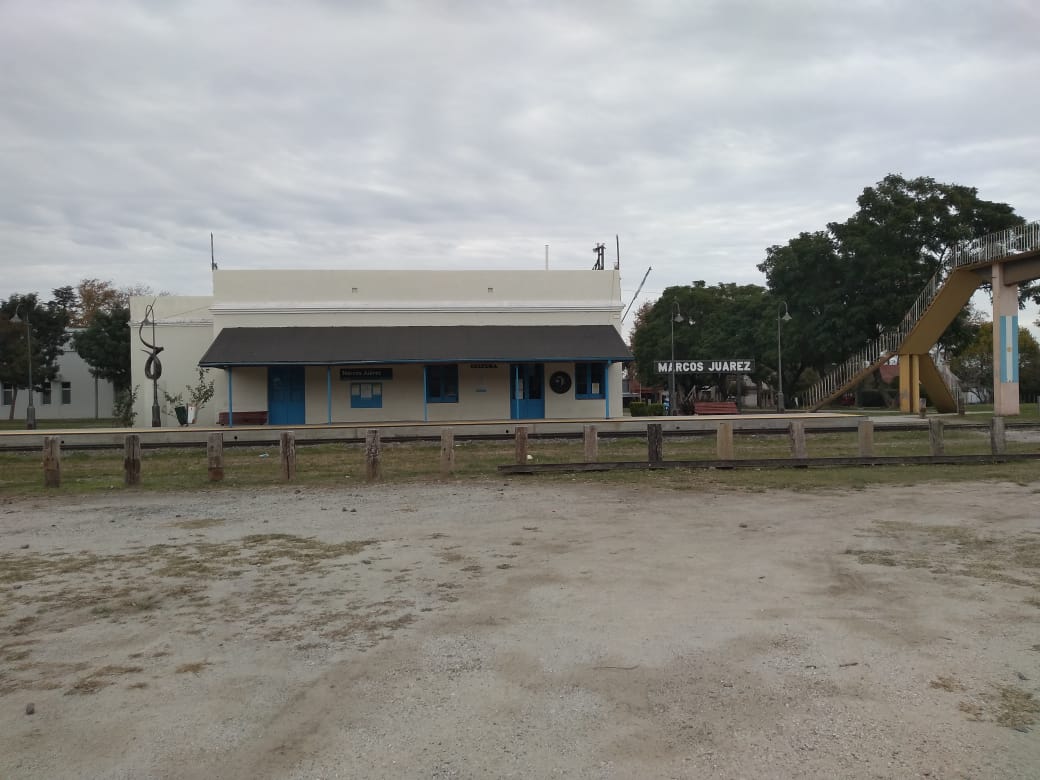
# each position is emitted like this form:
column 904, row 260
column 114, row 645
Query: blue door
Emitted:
column 285, row 395
column 527, row 391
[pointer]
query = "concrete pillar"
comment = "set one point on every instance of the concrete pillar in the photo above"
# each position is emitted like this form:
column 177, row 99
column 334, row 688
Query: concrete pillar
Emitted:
column 909, row 384
column 1005, row 344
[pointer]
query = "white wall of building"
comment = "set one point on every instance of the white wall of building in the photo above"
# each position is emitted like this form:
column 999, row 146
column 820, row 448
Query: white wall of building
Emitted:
column 187, row 325
column 86, row 398
column 184, row 328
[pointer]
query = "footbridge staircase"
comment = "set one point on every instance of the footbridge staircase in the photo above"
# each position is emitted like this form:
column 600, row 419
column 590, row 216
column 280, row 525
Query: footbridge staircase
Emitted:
column 1006, row 258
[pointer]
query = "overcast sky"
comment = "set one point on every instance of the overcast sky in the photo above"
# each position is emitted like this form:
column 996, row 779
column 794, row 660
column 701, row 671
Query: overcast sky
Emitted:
column 471, row 134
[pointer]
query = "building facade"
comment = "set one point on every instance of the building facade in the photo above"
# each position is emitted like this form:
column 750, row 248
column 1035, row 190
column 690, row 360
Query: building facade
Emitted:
column 75, row 394
column 318, row 347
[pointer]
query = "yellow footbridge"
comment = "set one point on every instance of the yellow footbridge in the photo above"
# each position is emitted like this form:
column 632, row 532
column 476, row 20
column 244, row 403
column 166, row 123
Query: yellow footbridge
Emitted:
column 1005, row 259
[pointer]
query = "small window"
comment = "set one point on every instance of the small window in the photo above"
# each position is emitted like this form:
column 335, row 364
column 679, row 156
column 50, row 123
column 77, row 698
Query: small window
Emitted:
column 588, row 380
column 66, row 393
column 8, row 395
column 442, row 384
column 366, row 395
column 45, row 394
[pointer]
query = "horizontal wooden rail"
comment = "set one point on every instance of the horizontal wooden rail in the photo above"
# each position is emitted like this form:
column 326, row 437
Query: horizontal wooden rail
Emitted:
column 760, row 463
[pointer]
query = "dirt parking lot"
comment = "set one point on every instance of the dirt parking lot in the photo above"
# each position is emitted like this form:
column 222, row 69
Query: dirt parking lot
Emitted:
column 522, row 629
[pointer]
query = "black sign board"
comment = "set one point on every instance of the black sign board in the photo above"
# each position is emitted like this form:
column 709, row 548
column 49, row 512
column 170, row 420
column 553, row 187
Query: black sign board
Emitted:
column 731, row 366
column 366, row 373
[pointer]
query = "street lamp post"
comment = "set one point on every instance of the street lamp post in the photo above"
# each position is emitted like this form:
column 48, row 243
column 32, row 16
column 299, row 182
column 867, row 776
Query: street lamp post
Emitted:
column 30, row 410
column 780, row 356
column 676, row 317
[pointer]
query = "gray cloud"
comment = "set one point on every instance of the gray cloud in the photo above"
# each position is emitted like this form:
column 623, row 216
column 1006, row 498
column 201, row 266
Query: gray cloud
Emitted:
column 468, row 134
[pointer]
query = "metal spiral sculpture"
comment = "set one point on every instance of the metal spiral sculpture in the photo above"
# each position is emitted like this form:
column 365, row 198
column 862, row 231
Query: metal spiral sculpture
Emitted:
column 152, row 366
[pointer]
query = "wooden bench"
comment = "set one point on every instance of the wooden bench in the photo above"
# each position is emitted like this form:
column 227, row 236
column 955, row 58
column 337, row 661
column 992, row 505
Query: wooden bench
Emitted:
column 244, row 418
column 715, row 407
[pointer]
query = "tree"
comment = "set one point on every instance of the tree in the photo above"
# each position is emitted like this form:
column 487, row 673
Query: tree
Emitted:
column 46, row 329
column 106, row 339
column 861, row 276
column 105, row 346
column 728, row 321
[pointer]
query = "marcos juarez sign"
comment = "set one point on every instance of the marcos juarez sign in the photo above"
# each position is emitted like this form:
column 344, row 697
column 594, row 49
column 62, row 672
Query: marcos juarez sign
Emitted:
column 705, row 366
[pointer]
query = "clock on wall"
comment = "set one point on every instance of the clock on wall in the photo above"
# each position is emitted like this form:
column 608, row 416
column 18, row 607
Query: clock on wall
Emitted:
column 560, row 382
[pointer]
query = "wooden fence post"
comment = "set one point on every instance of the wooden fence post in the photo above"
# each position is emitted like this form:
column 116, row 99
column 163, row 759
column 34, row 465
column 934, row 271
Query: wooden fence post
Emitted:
column 215, row 456
column 287, row 452
column 447, row 451
column 654, row 443
column 866, row 438
column 796, row 429
column 373, row 456
column 724, row 441
column 591, row 444
column 935, row 436
column 132, row 459
column 521, row 444
column 51, row 461
column 997, row 436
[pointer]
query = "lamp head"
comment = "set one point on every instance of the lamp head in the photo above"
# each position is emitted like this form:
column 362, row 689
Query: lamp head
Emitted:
column 786, row 317
column 15, row 319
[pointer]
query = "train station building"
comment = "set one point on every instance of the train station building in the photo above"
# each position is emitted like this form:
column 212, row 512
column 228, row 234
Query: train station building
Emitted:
column 291, row 347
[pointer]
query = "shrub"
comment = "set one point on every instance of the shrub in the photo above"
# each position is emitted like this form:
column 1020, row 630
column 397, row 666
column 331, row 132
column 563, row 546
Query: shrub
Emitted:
column 656, row 410
column 638, row 408
column 123, row 406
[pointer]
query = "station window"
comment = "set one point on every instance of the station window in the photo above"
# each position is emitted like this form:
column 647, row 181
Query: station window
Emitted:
column 8, row 395
column 442, row 384
column 366, row 395
column 66, row 392
column 45, row 394
column 588, row 380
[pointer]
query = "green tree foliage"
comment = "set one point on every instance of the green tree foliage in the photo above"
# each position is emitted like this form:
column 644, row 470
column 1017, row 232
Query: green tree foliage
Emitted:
column 105, row 340
column 728, row 321
column 859, row 277
column 105, row 346
column 46, row 330
column 974, row 364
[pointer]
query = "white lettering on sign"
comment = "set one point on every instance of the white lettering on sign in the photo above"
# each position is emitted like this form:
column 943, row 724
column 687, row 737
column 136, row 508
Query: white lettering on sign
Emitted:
column 705, row 366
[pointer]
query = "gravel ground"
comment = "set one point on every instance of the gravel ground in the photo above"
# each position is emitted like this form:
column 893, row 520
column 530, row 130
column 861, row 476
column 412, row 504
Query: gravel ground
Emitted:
column 522, row 629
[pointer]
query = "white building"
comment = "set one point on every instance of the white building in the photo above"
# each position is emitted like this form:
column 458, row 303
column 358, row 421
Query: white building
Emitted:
column 314, row 347
column 73, row 395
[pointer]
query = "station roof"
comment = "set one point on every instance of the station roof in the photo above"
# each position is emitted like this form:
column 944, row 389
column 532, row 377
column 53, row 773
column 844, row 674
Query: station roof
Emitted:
column 334, row 345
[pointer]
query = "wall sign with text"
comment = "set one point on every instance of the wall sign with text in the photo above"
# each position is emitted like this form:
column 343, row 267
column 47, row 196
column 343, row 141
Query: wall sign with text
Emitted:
column 705, row 366
column 366, row 373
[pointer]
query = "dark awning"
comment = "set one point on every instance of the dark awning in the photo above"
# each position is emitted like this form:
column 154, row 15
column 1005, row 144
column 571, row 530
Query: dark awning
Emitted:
column 418, row 344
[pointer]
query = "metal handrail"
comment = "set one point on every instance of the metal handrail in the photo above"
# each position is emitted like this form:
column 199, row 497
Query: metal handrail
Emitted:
column 974, row 251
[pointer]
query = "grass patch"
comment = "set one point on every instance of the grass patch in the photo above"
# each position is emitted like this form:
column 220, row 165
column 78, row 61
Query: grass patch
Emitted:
column 202, row 522
column 192, row 668
column 950, row 549
column 1017, row 709
column 99, row 679
column 61, row 425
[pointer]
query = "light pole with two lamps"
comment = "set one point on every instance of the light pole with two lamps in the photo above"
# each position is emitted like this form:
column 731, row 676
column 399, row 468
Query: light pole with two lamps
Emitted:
column 780, row 320
column 30, row 410
column 677, row 316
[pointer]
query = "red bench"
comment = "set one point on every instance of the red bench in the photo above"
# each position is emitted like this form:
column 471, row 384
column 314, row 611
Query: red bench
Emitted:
column 244, row 418
column 715, row 407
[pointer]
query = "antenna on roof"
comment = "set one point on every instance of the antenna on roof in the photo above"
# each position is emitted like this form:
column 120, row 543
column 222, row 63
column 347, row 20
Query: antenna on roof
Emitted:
column 212, row 260
column 599, row 249
column 546, row 257
column 617, row 265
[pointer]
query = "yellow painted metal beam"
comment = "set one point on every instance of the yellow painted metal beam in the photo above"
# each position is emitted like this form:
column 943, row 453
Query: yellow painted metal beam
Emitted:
column 949, row 302
column 935, row 386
